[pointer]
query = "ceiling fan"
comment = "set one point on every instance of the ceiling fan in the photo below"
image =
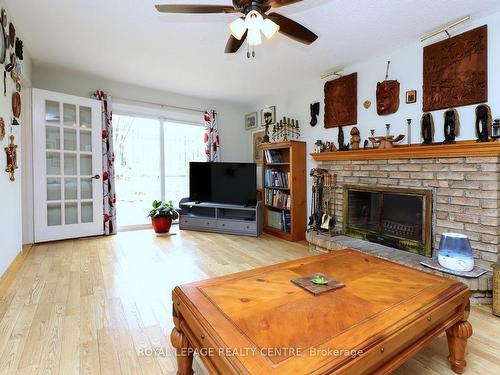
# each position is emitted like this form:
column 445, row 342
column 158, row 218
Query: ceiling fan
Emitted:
column 254, row 22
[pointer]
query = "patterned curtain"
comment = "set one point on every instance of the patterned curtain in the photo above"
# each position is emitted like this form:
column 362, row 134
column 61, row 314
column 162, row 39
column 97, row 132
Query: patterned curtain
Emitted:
column 212, row 142
column 108, row 159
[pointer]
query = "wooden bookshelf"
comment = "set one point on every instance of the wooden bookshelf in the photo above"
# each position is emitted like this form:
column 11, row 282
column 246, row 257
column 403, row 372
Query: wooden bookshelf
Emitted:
column 292, row 155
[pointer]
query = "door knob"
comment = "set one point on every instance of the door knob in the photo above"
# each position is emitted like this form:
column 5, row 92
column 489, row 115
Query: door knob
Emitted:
column 96, row 177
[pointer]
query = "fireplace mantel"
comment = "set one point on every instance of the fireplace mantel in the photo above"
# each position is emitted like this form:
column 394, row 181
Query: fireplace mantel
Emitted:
column 459, row 149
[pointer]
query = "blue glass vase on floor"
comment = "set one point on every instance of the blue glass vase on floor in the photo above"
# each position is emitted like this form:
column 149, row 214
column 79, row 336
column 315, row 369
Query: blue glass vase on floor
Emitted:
column 455, row 252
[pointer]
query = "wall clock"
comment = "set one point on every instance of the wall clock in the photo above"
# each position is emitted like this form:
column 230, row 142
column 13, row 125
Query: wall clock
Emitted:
column 16, row 104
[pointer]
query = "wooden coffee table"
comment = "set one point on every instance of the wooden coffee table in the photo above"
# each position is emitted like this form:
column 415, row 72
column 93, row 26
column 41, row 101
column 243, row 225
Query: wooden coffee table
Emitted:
column 259, row 322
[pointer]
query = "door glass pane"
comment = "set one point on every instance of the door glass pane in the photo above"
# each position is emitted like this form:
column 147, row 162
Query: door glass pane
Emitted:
column 53, row 138
column 85, row 165
column 86, row 188
column 53, row 214
column 183, row 144
column 87, row 212
column 53, row 189
column 70, row 188
column 137, row 167
column 70, row 139
column 69, row 111
column 71, row 213
column 70, row 164
column 85, row 141
column 52, row 112
column 53, row 163
column 85, row 117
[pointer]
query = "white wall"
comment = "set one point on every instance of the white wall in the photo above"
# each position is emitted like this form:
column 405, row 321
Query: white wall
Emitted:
column 406, row 67
column 235, row 146
column 10, row 191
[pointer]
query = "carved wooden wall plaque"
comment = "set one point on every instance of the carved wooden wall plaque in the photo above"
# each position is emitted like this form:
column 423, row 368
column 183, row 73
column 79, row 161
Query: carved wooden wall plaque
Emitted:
column 387, row 97
column 456, row 71
column 341, row 99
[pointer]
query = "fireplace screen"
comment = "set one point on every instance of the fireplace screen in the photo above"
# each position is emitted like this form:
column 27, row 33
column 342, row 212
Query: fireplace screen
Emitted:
column 399, row 218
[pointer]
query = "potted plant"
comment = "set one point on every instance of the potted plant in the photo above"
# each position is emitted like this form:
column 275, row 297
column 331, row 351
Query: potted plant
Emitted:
column 162, row 215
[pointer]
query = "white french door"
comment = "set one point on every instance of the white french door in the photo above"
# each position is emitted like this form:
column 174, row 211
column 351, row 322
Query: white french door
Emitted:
column 67, row 165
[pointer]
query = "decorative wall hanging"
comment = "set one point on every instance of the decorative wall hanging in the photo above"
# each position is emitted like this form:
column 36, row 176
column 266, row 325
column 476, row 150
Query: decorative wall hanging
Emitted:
column 19, row 49
column 16, row 105
column 427, row 128
column 4, row 19
column 456, row 71
column 314, row 108
column 483, row 123
column 268, row 115
column 341, row 98
column 2, row 129
column 340, row 139
column 387, row 95
column 355, row 138
column 367, row 104
column 451, row 126
column 285, row 129
column 12, row 35
column 11, row 152
column 250, row 120
column 411, row 96
column 258, row 139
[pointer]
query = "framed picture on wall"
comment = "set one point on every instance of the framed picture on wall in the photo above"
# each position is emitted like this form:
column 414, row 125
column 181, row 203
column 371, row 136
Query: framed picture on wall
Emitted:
column 250, row 120
column 257, row 138
column 268, row 114
column 411, row 96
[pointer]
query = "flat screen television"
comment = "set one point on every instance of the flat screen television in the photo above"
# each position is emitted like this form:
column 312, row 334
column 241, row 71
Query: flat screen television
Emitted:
column 231, row 183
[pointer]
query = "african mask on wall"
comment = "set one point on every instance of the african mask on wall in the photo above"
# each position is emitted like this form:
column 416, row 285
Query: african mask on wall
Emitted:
column 387, row 95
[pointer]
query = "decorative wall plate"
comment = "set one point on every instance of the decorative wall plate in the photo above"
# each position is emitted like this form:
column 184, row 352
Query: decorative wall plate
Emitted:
column 16, row 104
column 12, row 35
column 3, row 19
column 2, row 129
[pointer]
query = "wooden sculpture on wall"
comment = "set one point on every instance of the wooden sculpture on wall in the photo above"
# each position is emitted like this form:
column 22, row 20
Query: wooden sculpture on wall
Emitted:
column 387, row 95
column 341, row 99
column 483, row 123
column 314, row 108
column 456, row 71
column 451, row 126
column 427, row 128
column 11, row 152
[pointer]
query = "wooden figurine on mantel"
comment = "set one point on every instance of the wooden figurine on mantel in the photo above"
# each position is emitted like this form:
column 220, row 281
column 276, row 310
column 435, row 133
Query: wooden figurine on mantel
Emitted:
column 451, row 126
column 483, row 122
column 386, row 141
column 355, row 138
column 427, row 126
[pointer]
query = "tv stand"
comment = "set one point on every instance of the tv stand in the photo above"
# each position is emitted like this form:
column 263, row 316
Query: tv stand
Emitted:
column 220, row 217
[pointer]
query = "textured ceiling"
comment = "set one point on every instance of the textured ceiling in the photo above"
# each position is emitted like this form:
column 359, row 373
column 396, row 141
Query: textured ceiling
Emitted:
column 128, row 41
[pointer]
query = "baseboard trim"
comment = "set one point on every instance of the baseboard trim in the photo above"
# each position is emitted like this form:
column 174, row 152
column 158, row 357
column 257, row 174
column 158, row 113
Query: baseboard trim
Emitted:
column 8, row 277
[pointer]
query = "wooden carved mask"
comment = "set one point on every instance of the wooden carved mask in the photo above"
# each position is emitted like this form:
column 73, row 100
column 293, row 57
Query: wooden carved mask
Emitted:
column 387, row 97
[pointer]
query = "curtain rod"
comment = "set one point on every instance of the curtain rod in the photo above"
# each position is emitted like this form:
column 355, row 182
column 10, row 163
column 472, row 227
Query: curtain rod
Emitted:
column 158, row 104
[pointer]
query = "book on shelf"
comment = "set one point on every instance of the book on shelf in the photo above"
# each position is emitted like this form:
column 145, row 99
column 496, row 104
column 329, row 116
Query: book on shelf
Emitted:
column 273, row 156
column 279, row 220
column 275, row 178
column 276, row 198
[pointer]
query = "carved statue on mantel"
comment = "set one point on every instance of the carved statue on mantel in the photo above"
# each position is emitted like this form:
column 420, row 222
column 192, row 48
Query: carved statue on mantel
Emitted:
column 451, row 126
column 483, row 123
column 342, row 146
column 355, row 138
column 427, row 127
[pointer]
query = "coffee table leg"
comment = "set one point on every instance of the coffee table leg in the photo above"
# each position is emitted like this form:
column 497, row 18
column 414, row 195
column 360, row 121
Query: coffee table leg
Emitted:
column 181, row 344
column 457, row 340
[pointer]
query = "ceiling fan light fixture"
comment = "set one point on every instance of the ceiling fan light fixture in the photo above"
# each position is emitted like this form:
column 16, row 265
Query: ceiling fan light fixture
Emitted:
column 253, row 20
column 269, row 28
column 238, row 28
column 254, row 37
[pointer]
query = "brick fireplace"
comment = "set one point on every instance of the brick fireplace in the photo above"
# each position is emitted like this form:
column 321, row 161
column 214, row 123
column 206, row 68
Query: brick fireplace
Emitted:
column 465, row 198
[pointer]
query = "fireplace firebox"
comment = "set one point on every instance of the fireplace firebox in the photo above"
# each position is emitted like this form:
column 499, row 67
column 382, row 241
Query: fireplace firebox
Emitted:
column 396, row 217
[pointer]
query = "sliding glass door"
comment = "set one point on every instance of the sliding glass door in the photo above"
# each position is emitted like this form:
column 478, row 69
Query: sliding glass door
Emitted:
column 152, row 162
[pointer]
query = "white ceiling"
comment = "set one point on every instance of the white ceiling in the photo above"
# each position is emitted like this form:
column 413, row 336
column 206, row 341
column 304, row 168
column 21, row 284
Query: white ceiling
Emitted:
column 128, row 41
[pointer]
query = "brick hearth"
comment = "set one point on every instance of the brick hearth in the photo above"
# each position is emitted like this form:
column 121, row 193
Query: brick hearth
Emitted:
column 465, row 194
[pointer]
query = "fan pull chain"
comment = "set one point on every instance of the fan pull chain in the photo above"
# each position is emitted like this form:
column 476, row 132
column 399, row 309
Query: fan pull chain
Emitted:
column 248, row 50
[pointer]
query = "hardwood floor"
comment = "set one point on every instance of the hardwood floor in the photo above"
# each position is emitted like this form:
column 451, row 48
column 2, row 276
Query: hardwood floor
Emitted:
column 102, row 305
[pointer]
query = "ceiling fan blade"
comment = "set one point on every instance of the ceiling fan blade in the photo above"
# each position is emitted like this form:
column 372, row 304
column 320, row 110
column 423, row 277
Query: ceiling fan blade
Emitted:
column 191, row 8
column 293, row 29
column 234, row 44
column 280, row 3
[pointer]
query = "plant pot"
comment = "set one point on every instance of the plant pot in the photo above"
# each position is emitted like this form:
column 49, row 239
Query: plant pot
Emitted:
column 161, row 224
